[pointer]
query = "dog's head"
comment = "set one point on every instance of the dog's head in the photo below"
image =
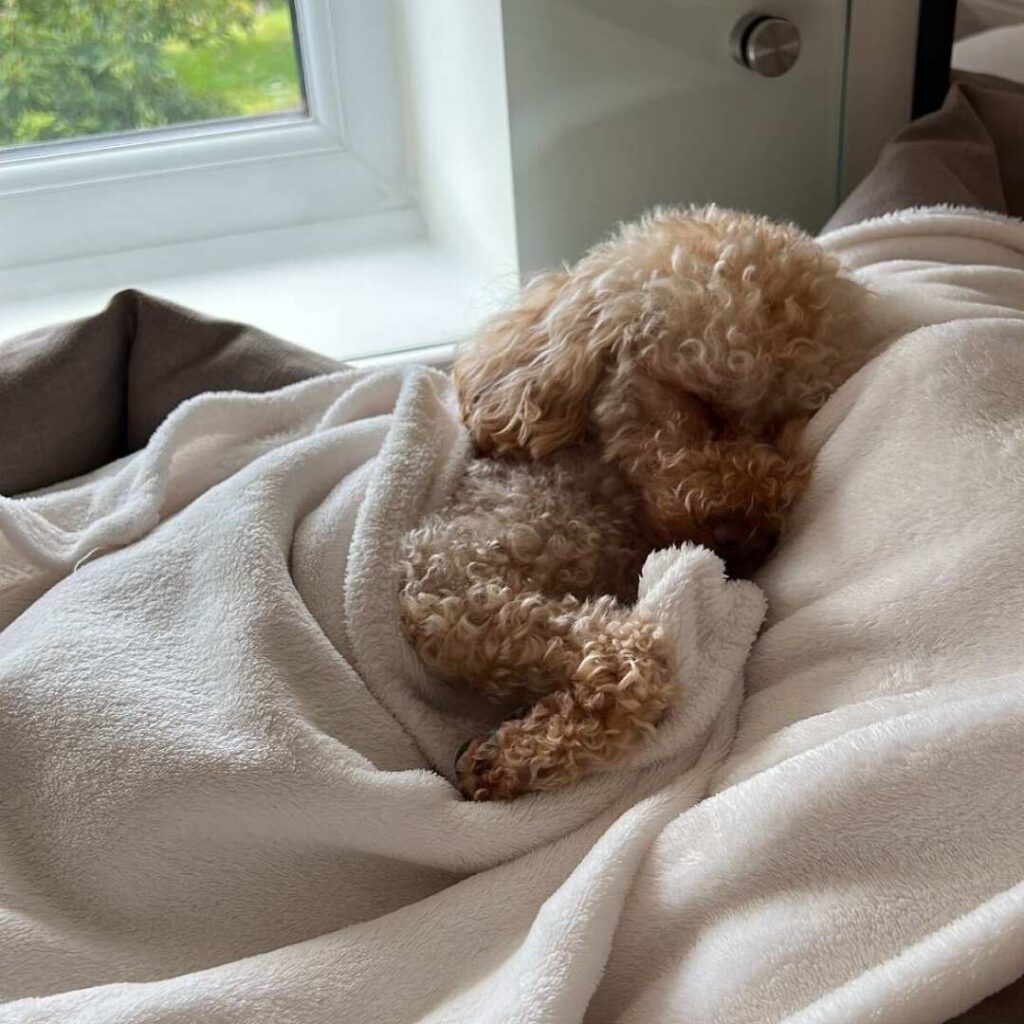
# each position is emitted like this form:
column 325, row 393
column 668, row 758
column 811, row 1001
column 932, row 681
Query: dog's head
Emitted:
column 692, row 347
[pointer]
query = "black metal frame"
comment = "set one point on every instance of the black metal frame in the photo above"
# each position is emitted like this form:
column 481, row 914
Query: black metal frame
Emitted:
column 935, row 25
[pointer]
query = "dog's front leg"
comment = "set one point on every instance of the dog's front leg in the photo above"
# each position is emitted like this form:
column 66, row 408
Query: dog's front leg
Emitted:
column 618, row 692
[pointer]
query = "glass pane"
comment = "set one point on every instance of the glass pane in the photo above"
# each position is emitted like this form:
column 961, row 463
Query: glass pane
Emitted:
column 70, row 69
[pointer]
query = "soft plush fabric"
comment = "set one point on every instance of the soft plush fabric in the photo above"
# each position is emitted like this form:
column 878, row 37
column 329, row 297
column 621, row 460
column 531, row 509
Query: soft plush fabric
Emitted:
column 77, row 395
column 223, row 797
column 969, row 153
column 215, row 744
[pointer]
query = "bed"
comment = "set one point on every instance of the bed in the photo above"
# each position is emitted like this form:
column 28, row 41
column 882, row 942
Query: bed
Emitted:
column 223, row 774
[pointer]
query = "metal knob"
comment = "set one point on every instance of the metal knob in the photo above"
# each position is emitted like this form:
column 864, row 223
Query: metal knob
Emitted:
column 765, row 44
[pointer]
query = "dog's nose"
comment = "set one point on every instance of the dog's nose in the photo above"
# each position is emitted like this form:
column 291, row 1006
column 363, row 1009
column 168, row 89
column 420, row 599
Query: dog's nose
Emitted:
column 742, row 546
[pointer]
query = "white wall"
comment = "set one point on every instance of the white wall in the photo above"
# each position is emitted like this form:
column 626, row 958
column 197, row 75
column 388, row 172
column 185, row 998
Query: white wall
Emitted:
column 453, row 64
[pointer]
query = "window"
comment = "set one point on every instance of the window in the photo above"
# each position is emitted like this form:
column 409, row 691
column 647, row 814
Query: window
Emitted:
column 365, row 208
column 132, row 124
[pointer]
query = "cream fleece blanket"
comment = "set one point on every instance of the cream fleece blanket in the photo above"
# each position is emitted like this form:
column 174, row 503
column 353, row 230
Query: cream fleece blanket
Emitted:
column 222, row 797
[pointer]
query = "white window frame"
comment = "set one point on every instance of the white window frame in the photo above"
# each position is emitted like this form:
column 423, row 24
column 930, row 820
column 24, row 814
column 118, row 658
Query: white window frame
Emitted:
column 133, row 191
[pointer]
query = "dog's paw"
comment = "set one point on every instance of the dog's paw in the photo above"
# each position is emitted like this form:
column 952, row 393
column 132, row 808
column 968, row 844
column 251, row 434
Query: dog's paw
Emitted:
column 483, row 772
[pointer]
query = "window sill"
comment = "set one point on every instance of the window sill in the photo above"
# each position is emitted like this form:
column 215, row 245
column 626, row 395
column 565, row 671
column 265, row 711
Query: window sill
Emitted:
column 373, row 290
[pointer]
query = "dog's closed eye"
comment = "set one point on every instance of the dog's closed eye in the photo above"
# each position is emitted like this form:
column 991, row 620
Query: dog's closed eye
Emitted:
column 703, row 422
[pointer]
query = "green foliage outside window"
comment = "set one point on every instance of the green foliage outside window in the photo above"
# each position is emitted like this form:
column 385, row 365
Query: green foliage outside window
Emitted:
column 71, row 68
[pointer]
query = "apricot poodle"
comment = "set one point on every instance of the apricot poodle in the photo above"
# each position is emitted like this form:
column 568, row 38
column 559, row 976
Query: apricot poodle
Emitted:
column 654, row 393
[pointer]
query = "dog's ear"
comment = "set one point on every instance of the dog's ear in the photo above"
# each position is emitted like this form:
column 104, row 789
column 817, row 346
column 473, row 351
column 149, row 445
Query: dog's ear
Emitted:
column 526, row 379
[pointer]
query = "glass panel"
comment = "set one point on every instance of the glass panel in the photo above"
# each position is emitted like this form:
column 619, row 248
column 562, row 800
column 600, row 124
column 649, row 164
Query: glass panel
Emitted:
column 615, row 107
column 71, row 69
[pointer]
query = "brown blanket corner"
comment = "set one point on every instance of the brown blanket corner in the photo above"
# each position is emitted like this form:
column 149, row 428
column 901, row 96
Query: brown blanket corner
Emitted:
column 77, row 395
column 968, row 153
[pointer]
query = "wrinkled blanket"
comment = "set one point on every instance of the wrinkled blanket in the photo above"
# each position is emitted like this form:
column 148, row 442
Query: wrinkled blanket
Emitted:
column 224, row 792
column 225, row 773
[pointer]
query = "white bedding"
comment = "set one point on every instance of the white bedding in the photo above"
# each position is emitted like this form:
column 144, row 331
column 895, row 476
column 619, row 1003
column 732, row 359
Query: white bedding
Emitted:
column 219, row 800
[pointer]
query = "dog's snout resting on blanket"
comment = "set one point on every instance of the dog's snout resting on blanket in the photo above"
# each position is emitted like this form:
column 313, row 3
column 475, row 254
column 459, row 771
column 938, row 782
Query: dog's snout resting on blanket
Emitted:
column 654, row 393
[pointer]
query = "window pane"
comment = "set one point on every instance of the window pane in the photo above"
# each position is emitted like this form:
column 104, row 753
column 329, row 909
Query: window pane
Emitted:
column 76, row 68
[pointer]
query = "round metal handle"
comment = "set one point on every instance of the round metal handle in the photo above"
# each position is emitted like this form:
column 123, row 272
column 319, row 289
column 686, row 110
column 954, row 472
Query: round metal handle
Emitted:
column 765, row 44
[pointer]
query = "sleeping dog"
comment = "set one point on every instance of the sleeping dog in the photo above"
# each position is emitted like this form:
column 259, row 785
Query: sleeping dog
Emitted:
column 654, row 393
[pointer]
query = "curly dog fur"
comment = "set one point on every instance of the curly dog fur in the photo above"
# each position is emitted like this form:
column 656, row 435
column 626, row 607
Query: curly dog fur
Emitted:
column 656, row 392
